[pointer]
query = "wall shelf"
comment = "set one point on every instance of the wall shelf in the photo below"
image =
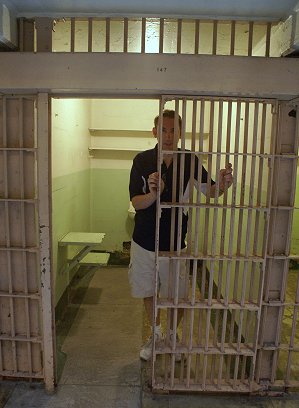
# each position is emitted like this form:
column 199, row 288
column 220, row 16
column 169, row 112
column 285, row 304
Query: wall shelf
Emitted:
column 122, row 140
column 119, row 140
column 120, row 149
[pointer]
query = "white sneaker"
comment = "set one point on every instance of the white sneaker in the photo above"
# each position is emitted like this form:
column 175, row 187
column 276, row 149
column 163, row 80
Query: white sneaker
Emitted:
column 146, row 351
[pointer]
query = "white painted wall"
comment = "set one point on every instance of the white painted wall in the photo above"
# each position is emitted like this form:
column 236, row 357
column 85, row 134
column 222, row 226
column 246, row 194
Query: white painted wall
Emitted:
column 70, row 139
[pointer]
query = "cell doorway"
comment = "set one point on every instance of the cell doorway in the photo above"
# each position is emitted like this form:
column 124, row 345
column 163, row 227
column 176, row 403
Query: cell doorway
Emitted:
column 237, row 270
column 99, row 326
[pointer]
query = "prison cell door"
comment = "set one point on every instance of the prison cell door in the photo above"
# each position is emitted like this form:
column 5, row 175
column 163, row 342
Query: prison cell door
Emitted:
column 237, row 245
column 26, row 340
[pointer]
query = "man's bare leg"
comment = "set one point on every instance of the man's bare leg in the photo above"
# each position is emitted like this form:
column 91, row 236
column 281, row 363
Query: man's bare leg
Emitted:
column 148, row 304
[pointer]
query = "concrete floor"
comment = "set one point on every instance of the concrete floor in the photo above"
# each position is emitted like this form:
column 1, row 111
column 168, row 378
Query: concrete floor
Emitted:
column 98, row 344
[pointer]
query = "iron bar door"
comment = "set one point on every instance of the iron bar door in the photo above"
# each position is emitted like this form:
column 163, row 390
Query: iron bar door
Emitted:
column 218, row 345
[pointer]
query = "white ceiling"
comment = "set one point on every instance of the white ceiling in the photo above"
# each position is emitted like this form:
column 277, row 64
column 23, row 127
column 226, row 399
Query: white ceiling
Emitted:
column 244, row 9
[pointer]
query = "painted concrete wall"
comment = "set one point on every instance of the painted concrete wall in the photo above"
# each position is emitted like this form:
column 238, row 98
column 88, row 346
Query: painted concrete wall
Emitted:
column 124, row 126
column 70, row 180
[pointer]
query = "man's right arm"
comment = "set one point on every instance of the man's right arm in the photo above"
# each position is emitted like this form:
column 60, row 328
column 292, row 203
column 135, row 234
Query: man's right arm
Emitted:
column 142, row 201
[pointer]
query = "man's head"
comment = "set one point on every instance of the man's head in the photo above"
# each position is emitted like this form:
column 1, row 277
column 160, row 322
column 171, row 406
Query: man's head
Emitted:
column 168, row 129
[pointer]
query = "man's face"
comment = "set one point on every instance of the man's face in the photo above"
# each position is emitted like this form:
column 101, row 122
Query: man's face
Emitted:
column 169, row 141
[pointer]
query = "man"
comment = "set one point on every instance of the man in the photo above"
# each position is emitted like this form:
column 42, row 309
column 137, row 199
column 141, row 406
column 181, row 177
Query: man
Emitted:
column 143, row 194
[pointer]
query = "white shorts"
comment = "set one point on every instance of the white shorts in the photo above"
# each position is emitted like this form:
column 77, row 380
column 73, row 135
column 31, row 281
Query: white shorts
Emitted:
column 142, row 274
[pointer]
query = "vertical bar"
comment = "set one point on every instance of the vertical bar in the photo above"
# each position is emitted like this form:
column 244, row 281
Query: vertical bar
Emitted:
column 143, row 32
column 159, row 164
column 199, row 176
column 21, row 34
column 258, row 200
column 215, row 30
column 161, row 36
column 23, row 232
column 263, row 360
column 107, row 48
column 73, row 26
column 252, row 175
column 220, row 372
column 199, row 334
column 268, row 39
column 7, row 229
column 174, row 184
column 215, row 224
column 210, row 158
column 204, row 373
column 6, row 142
column 90, row 21
column 232, row 37
column 44, row 27
column 196, row 42
column 192, row 169
column 181, row 191
column 224, row 210
column 291, row 345
column 218, row 158
column 44, row 211
column 27, row 36
column 243, row 176
column 234, row 192
column 126, row 31
column 179, row 36
column 250, row 37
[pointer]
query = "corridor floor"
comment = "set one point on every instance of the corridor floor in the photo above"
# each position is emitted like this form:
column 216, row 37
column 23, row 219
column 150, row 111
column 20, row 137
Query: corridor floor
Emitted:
column 99, row 351
column 98, row 346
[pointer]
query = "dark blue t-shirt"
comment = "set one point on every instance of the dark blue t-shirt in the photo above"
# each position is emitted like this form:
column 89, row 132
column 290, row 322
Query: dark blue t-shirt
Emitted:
column 144, row 164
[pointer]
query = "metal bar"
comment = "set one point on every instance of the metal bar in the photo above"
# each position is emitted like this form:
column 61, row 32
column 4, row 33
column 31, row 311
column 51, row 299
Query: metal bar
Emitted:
column 215, row 305
column 8, row 228
column 159, row 164
column 90, row 24
column 107, row 47
column 250, row 37
column 196, row 42
column 232, row 37
column 21, row 34
column 179, row 231
column 161, row 36
column 174, row 178
column 215, row 31
column 259, row 197
column 73, row 28
column 179, row 37
column 268, row 39
column 218, row 158
column 44, row 29
column 126, row 31
column 6, row 205
column 252, row 175
column 192, row 170
column 208, row 197
column 43, row 182
column 143, row 32
column 234, row 187
column 224, row 210
column 23, row 233
column 268, row 246
column 199, row 177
